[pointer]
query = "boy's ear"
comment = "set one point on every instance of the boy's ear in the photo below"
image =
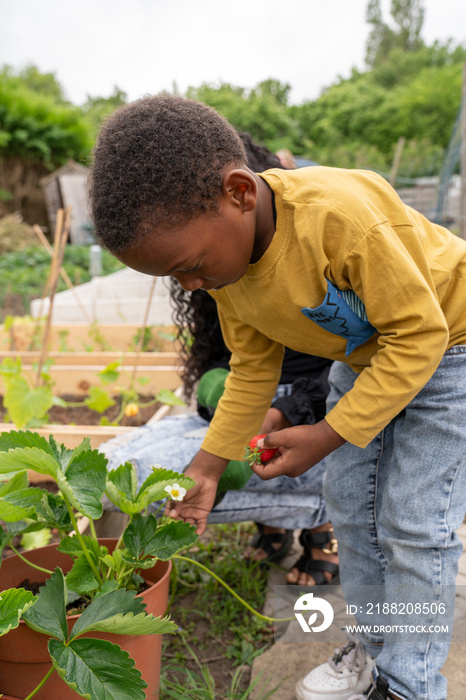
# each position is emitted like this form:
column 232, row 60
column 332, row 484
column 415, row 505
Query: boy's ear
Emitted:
column 240, row 187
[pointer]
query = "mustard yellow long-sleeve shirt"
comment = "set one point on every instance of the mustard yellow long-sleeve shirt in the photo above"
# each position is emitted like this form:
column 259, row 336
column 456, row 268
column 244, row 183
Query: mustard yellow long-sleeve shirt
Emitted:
column 351, row 274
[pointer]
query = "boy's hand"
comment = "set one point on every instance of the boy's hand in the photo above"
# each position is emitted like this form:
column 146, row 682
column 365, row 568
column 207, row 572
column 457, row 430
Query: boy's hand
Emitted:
column 298, row 449
column 206, row 470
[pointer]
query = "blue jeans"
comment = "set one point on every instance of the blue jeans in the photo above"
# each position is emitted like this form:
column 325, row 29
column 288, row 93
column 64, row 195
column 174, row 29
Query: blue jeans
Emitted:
column 395, row 506
column 173, row 442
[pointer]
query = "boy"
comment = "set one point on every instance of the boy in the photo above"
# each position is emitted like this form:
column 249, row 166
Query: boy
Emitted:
column 332, row 263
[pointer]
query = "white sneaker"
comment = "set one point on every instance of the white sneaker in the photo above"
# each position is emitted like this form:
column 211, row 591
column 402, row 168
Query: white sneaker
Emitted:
column 345, row 675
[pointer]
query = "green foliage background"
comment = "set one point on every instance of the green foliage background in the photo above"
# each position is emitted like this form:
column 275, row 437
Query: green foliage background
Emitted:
column 409, row 90
column 24, row 273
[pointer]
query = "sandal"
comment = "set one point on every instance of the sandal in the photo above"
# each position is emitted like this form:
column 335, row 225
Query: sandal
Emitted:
column 315, row 567
column 265, row 541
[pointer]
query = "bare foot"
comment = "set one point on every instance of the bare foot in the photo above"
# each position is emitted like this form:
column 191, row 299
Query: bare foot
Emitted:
column 301, row 578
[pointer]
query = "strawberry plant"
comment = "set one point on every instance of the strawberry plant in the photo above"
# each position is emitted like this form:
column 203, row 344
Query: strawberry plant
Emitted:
column 107, row 581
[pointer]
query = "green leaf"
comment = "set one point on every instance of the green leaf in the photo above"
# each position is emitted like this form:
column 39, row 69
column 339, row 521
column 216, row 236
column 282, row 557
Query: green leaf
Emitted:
column 66, row 456
column 169, row 398
column 13, row 603
column 49, row 612
column 144, row 537
column 18, row 482
column 97, row 669
column 125, row 479
column 110, row 373
column 122, row 488
column 80, row 578
column 84, row 482
column 10, row 367
column 99, row 399
column 5, row 538
column 29, row 458
column 153, row 488
column 18, row 505
column 52, row 511
column 22, row 438
column 25, row 404
column 57, row 401
column 33, row 540
column 71, row 545
column 120, row 612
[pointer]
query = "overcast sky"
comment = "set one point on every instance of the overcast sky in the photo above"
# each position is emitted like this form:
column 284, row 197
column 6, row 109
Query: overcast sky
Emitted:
column 144, row 46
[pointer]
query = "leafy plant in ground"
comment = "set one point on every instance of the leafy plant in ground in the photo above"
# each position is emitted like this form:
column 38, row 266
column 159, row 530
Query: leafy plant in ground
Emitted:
column 28, row 406
column 215, row 623
column 201, row 684
column 24, row 273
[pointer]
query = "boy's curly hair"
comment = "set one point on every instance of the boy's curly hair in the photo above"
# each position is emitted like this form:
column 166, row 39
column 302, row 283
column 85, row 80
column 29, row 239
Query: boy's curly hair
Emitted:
column 159, row 160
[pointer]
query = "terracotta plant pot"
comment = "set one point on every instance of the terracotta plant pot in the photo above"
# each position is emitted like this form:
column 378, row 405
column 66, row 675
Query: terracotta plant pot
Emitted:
column 24, row 659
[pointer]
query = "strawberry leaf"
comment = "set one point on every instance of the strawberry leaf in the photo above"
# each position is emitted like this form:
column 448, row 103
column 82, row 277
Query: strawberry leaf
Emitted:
column 80, row 578
column 48, row 615
column 144, row 537
column 97, row 669
column 122, row 486
column 17, row 505
column 169, row 398
column 84, row 481
column 23, row 403
column 28, row 458
column 119, row 612
column 99, row 399
column 153, row 488
column 21, row 438
column 13, row 603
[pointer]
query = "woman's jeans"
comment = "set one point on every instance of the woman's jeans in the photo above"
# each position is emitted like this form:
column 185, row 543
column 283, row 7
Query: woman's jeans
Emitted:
column 395, row 506
column 173, row 442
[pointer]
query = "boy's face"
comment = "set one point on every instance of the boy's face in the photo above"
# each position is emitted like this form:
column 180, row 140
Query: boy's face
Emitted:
column 209, row 252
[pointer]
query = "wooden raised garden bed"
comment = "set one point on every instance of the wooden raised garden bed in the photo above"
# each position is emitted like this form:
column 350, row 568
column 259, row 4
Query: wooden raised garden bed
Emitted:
column 75, row 369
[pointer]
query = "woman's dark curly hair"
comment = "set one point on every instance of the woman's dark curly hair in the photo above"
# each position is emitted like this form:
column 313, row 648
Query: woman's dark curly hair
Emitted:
column 195, row 313
column 159, row 160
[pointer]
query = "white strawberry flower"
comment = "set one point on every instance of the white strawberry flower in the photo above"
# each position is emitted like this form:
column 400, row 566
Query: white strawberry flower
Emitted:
column 176, row 492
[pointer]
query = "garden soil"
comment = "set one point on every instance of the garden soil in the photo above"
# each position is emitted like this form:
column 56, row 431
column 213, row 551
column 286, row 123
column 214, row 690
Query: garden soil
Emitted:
column 83, row 415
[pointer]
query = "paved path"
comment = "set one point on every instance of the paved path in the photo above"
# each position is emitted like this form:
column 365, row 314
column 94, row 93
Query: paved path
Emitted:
column 285, row 662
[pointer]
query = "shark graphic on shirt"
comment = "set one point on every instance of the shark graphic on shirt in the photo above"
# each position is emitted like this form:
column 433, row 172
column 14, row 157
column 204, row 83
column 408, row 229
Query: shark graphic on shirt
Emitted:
column 344, row 314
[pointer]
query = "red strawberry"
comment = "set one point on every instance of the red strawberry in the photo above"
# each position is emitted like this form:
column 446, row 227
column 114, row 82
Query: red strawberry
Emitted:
column 256, row 455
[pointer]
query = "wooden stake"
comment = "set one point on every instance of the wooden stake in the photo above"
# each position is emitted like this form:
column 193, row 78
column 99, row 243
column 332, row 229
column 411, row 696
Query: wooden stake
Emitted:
column 61, row 236
column 63, row 272
column 143, row 330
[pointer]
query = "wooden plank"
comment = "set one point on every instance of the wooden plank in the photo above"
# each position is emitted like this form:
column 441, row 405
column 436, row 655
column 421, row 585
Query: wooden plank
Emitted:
column 101, row 359
column 72, row 435
column 77, row 379
column 78, row 337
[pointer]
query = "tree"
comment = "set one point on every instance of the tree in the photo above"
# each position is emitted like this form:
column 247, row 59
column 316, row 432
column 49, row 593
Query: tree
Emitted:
column 97, row 109
column 32, row 79
column 408, row 18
